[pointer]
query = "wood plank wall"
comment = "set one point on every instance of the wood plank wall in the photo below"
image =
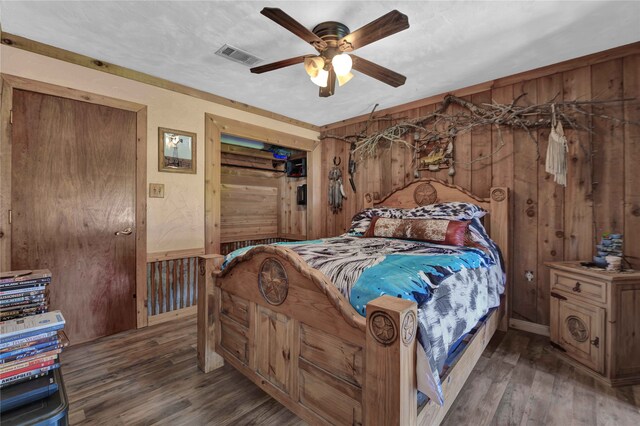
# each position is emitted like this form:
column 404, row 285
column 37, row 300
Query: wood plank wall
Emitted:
column 249, row 204
column 292, row 219
column 550, row 222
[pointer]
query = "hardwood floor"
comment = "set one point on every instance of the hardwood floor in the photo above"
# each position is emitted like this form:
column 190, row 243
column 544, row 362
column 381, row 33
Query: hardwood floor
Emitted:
column 149, row 376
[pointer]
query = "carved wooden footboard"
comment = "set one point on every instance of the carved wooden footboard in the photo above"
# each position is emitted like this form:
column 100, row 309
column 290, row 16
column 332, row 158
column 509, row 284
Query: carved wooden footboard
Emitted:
column 286, row 327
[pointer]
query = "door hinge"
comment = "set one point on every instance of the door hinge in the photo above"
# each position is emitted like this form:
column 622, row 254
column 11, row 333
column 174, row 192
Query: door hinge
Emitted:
column 10, row 217
column 10, row 116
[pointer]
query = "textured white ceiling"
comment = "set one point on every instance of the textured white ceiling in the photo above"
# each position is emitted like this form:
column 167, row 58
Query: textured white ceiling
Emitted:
column 449, row 45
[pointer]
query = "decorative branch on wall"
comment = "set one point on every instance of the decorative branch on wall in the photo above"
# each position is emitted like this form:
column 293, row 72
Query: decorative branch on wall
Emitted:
column 433, row 135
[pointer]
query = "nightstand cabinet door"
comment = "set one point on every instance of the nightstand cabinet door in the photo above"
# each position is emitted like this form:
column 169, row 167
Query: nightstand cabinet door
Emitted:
column 579, row 330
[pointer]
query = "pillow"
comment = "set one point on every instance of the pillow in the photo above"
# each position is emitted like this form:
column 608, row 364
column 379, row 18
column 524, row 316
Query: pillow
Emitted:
column 449, row 211
column 455, row 210
column 448, row 232
column 361, row 221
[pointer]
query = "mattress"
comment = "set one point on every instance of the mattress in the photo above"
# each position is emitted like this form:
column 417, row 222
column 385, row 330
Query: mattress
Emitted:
column 454, row 287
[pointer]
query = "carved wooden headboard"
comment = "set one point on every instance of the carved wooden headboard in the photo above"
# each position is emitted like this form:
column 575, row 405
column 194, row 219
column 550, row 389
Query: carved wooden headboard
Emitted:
column 431, row 191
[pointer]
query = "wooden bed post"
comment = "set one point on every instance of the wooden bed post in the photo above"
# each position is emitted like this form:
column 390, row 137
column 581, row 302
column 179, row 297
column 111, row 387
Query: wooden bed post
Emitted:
column 208, row 359
column 390, row 377
column 500, row 214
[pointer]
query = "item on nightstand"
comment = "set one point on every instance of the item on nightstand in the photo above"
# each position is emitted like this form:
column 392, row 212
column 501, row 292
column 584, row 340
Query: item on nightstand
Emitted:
column 614, row 263
column 610, row 246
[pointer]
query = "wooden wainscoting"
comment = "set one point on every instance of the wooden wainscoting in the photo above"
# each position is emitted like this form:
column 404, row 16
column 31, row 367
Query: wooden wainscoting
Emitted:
column 172, row 284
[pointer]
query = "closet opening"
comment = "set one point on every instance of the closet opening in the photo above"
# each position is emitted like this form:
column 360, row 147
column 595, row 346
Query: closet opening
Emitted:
column 263, row 193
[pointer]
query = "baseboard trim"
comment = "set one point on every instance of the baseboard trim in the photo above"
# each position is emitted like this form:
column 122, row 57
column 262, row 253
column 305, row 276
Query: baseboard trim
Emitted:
column 172, row 315
column 531, row 327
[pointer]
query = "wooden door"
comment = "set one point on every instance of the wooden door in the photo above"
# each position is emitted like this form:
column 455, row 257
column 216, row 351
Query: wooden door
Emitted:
column 73, row 187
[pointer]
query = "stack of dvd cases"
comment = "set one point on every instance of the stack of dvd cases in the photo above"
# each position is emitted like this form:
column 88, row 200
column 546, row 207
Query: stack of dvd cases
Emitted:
column 23, row 293
column 31, row 339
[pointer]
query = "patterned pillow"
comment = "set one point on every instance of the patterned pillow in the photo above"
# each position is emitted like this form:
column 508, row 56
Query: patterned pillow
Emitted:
column 361, row 221
column 448, row 232
column 449, row 211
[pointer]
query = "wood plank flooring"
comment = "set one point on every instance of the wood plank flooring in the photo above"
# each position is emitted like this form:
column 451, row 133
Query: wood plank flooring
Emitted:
column 149, row 376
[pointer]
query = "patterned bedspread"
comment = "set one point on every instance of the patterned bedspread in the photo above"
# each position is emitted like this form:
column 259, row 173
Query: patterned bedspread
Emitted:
column 454, row 287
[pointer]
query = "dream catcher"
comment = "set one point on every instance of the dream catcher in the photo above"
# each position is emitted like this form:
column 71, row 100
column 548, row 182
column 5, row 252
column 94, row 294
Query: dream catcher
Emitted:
column 336, row 189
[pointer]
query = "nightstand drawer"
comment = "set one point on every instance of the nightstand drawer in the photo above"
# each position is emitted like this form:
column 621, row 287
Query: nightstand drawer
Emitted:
column 580, row 287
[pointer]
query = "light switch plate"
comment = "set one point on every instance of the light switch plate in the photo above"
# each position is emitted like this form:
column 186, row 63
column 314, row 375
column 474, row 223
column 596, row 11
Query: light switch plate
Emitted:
column 156, row 190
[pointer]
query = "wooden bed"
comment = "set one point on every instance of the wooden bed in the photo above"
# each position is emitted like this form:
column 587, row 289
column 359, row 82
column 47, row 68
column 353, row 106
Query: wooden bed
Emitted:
column 286, row 327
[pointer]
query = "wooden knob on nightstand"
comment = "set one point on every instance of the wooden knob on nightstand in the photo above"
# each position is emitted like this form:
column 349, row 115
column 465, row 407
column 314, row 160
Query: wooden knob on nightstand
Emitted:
column 596, row 342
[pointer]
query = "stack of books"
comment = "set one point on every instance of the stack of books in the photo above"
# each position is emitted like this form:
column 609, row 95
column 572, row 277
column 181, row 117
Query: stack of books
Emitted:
column 23, row 293
column 31, row 339
column 29, row 347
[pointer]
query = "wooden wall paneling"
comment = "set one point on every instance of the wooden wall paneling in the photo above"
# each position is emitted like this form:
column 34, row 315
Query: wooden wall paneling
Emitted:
column 315, row 208
column 212, row 176
column 481, row 146
column 398, row 155
column 386, row 174
column 409, row 153
column 502, row 141
column 141, row 217
column 462, row 153
column 608, row 147
column 351, row 203
column 549, row 223
column 375, row 176
column 578, row 201
column 550, row 205
column 631, row 79
column 292, row 217
column 422, row 111
column 515, row 79
column 525, row 191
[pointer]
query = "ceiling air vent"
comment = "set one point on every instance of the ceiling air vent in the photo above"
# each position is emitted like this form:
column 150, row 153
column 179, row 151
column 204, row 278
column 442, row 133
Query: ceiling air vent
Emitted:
column 237, row 55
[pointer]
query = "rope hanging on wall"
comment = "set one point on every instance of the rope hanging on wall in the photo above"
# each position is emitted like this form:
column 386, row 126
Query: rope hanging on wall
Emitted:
column 556, row 161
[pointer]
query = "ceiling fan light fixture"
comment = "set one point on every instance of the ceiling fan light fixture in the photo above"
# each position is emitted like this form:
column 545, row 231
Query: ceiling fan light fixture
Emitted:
column 322, row 78
column 313, row 65
column 342, row 64
column 344, row 79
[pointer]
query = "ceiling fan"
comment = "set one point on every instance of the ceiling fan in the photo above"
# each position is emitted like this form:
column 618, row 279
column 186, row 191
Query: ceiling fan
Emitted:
column 333, row 40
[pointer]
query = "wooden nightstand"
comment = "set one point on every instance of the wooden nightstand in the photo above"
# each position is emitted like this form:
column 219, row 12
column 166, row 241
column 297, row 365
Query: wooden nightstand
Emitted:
column 595, row 320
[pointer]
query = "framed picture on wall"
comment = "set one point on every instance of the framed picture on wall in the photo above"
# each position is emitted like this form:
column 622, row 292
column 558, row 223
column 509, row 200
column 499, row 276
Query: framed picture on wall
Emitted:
column 176, row 151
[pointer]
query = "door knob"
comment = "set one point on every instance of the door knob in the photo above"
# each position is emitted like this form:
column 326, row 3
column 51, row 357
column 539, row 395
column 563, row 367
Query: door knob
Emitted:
column 125, row 231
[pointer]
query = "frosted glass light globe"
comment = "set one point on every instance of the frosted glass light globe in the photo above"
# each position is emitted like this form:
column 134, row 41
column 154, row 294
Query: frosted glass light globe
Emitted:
column 322, row 78
column 342, row 64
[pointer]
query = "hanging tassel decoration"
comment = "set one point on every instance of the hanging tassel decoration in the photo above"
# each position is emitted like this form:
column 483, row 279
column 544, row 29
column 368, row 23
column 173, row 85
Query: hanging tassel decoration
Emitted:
column 336, row 188
column 556, row 161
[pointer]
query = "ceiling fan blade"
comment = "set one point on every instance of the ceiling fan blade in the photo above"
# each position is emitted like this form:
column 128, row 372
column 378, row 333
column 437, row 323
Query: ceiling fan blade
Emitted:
column 277, row 65
column 325, row 92
column 286, row 21
column 378, row 72
column 382, row 27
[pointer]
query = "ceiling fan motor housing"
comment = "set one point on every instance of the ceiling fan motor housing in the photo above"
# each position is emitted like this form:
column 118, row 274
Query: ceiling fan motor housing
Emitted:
column 330, row 32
